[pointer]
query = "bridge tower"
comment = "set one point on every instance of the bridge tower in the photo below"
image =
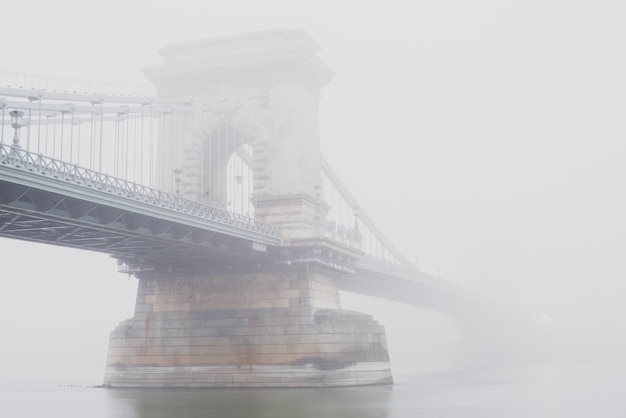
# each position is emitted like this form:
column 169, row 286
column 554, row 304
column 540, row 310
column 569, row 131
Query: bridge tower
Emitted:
column 277, row 321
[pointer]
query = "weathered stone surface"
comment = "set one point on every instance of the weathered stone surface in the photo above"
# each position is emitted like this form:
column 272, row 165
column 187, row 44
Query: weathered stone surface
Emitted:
column 254, row 376
column 231, row 331
column 282, row 328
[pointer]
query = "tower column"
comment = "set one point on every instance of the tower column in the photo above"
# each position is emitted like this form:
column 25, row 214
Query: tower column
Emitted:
column 275, row 321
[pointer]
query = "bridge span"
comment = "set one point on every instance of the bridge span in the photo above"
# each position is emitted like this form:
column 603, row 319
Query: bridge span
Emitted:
column 49, row 201
column 215, row 195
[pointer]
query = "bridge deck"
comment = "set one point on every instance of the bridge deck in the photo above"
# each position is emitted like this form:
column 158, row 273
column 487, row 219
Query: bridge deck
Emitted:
column 49, row 201
column 46, row 200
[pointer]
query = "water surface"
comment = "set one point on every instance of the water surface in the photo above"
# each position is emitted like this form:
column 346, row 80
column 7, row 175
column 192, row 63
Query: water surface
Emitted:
column 550, row 391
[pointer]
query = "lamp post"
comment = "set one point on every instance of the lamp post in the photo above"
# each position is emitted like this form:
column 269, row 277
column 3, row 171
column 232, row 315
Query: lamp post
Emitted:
column 16, row 120
column 178, row 179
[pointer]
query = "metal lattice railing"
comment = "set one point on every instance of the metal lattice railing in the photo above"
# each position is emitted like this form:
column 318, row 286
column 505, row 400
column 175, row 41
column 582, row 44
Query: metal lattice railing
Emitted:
column 17, row 158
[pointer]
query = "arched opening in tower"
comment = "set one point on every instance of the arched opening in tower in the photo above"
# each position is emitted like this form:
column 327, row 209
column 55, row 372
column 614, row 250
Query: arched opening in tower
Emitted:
column 239, row 179
column 227, row 174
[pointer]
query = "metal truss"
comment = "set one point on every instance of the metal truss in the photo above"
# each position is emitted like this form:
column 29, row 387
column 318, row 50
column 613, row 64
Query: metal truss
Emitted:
column 49, row 170
column 49, row 201
column 138, row 241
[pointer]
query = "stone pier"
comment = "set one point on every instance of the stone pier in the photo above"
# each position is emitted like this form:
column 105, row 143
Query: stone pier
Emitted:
column 275, row 321
column 282, row 328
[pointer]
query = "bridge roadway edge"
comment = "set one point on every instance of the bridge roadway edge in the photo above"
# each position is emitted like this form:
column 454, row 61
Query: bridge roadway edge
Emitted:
column 82, row 192
column 275, row 327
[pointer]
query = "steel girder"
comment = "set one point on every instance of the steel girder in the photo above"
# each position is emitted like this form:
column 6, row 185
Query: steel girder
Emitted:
column 136, row 239
column 50, row 201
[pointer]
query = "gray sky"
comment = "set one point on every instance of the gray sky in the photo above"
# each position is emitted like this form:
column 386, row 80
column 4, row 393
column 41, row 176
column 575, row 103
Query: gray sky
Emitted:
column 486, row 138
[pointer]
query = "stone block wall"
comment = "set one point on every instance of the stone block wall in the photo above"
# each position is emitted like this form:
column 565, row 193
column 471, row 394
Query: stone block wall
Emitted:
column 245, row 330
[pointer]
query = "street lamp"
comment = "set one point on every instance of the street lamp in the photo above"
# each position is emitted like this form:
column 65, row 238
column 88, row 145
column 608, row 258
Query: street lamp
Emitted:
column 16, row 120
column 177, row 179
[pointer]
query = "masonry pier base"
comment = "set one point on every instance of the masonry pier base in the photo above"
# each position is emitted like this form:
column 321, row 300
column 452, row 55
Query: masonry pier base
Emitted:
column 245, row 329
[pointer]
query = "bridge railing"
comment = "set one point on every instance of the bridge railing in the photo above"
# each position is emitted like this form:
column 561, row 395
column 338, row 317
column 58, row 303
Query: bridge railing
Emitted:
column 26, row 161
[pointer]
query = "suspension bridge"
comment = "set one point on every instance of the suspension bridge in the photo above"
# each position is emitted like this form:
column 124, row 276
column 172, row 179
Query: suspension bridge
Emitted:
column 214, row 193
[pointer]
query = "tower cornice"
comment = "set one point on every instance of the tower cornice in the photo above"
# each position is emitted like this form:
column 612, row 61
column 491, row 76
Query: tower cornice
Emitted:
column 270, row 57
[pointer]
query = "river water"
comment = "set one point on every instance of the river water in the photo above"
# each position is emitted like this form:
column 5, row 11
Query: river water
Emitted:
column 537, row 391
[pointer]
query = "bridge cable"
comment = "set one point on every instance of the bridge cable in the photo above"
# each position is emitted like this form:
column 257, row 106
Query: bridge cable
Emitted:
column 230, row 204
column 39, row 128
column 116, row 145
column 177, row 149
column 141, row 148
column 222, row 168
column 167, row 134
column 208, row 150
column 215, row 184
column 122, row 157
column 47, row 136
column 224, row 161
column 219, row 162
column 62, row 129
column 119, row 149
column 239, row 177
column 251, row 170
column 127, row 146
column 243, row 173
column 215, row 164
column 254, row 122
column 137, row 142
column 150, row 173
column 78, row 126
column 227, row 128
column 134, row 148
column 28, row 129
column 71, row 137
column 192, row 147
column 233, row 157
column 229, row 170
column 94, row 143
column 2, row 135
column 101, row 136
column 91, row 139
column 54, row 138
column 212, row 146
column 233, row 162
column 172, row 150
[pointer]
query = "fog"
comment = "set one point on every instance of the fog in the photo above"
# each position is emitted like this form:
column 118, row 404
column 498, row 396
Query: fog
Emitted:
column 486, row 138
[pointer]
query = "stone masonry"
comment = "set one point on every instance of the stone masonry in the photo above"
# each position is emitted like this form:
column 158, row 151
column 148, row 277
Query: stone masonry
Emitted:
column 278, row 322
column 262, row 329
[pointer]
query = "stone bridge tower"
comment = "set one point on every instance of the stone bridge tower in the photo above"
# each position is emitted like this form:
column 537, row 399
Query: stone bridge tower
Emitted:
column 272, row 325
column 260, row 90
